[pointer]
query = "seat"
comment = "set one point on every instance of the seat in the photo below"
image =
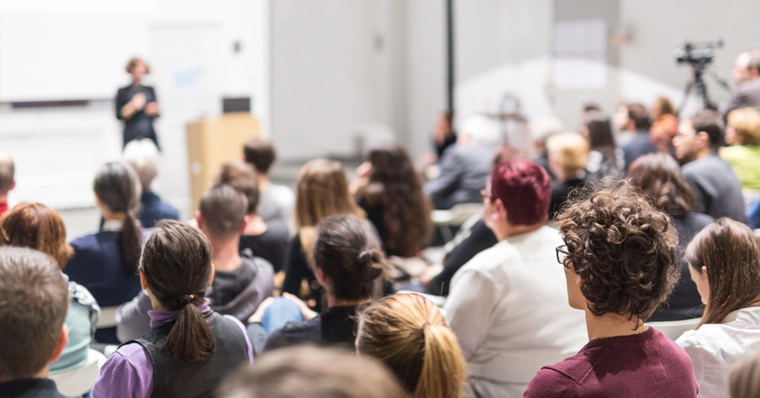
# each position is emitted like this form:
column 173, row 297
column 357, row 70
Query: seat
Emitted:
column 79, row 381
column 674, row 329
column 454, row 217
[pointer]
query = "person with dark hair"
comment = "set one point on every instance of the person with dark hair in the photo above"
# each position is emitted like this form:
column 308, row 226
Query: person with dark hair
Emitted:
column 106, row 262
column 619, row 255
column 390, row 192
column 191, row 348
column 137, row 105
column 39, row 227
column 724, row 262
column 659, row 177
column 718, row 190
column 7, row 180
column 276, row 202
column 568, row 157
column 266, row 239
column 311, row 372
column 348, row 263
column 638, row 124
column 604, row 158
column 506, row 305
column 34, row 299
column 444, row 135
column 143, row 156
column 747, row 76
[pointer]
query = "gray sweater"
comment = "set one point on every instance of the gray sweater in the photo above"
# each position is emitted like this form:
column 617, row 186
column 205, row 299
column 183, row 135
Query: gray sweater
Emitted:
column 718, row 190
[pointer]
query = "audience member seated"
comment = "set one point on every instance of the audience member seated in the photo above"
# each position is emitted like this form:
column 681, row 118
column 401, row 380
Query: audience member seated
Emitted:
column 268, row 240
column 620, row 263
column 725, row 266
column 744, row 380
column 390, row 192
column 277, row 201
column 310, row 372
column 659, row 177
column 348, row 263
column 408, row 333
column 241, row 281
column 743, row 136
column 464, row 167
column 106, row 262
column 143, row 156
column 747, row 77
column 638, row 125
column 604, row 159
column 540, row 130
column 7, row 181
column 754, row 216
column 34, row 299
column 568, row 156
column 506, row 305
column 191, row 347
column 322, row 192
column 39, row 227
column 718, row 191
column 665, row 124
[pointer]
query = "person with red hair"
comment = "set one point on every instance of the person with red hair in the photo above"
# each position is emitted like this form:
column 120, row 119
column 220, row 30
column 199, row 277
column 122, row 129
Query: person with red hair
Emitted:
column 507, row 305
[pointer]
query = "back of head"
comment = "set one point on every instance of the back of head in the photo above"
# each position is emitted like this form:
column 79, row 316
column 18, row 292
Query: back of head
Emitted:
column 310, row 372
column 243, row 177
column 34, row 298
column 570, row 151
column 639, row 114
column 409, row 334
column 659, row 177
column 730, row 252
column 322, row 191
column 7, row 173
column 623, row 249
column 663, row 106
column 143, row 156
column 260, row 153
column 753, row 61
column 744, row 379
column 223, row 209
column 599, row 129
column 481, row 129
column 38, row 227
column 709, row 122
column 176, row 262
column 348, row 253
column 544, row 127
column 746, row 123
column 524, row 189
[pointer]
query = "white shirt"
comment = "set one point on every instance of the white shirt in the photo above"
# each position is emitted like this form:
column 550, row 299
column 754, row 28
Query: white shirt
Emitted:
column 508, row 307
column 715, row 349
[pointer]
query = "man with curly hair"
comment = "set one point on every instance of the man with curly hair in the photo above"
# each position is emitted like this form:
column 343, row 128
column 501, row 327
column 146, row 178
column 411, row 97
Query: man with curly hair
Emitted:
column 620, row 264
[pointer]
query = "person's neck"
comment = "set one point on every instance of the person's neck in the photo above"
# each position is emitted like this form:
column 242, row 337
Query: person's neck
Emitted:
column 612, row 325
column 256, row 225
column 136, row 83
column 226, row 254
column 508, row 230
column 264, row 182
column 42, row 374
column 333, row 301
column 704, row 152
column 110, row 216
column 4, row 198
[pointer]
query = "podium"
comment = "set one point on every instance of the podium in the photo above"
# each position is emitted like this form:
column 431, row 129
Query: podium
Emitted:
column 213, row 142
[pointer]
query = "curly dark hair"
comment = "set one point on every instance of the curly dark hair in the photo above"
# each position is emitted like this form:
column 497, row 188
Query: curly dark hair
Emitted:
column 623, row 249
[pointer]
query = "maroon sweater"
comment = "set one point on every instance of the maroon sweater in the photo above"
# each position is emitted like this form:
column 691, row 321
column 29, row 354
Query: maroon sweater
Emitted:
column 643, row 365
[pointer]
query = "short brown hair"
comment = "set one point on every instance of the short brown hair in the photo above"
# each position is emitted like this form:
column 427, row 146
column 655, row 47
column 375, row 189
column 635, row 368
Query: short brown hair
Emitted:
column 639, row 114
column 260, row 153
column 38, row 227
column 133, row 62
column 7, row 172
column 659, row 177
column 242, row 176
column 710, row 122
column 34, row 298
column 223, row 209
column 623, row 249
column 310, row 372
column 746, row 123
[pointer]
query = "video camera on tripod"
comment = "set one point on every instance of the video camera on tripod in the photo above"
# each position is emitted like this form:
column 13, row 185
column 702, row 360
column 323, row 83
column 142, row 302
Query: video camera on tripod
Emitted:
column 699, row 55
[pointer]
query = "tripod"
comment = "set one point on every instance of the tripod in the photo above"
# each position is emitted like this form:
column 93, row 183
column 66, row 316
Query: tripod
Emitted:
column 698, row 83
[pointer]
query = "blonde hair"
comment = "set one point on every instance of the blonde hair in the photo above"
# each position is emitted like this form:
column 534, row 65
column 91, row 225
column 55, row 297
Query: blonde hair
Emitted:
column 322, row 191
column 134, row 61
column 571, row 151
column 409, row 334
column 744, row 379
column 746, row 122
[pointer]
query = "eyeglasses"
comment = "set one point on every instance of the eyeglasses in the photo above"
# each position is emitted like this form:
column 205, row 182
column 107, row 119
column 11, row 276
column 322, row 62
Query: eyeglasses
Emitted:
column 562, row 254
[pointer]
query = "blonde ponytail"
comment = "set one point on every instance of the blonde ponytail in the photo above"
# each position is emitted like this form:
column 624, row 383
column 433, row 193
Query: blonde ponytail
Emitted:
column 443, row 365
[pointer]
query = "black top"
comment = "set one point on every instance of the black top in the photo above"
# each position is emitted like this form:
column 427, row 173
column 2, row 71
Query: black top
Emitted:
column 229, row 284
column 560, row 192
column 481, row 238
column 139, row 125
column 271, row 245
column 336, row 326
column 152, row 210
column 30, row 388
column 684, row 302
column 449, row 141
column 640, row 145
column 297, row 269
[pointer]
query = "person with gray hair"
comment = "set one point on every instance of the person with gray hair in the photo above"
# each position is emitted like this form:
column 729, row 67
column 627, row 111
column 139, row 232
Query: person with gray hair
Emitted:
column 143, row 156
column 7, row 181
column 465, row 166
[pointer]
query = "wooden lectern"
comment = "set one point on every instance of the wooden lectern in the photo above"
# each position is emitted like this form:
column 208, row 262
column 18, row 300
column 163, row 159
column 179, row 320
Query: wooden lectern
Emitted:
column 213, row 142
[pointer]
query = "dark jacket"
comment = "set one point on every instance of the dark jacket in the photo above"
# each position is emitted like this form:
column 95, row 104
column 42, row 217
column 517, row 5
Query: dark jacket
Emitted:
column 746, row 94
column 718, row 190
column 30, row 388
column 336, row 326
column 152, row 210
column 464, row 170
column 640, row 145
column 139, row 125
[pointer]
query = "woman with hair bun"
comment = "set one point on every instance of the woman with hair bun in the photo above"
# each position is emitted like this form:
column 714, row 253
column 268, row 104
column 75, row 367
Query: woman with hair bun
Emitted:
column 408, row 333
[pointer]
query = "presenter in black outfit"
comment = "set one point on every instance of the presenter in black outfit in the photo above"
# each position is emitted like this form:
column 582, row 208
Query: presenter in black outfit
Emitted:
column 137, row 105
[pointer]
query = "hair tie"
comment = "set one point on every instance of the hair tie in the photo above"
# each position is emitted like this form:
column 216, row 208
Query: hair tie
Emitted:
column 422, row 328
column 186, row 299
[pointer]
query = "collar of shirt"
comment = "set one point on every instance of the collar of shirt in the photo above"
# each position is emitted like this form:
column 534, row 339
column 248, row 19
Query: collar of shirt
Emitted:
column 148, row 197
column 112, row 225
column 158, row 318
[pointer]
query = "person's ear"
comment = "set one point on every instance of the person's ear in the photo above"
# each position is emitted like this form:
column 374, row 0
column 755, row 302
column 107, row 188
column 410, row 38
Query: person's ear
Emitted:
column 321, row 277
column 199, row 220
column 246, row 220
column 213, row 273
column 501, row 211
column 704, row 271
column 63, row 339
column 143, row 281
column 703, row 138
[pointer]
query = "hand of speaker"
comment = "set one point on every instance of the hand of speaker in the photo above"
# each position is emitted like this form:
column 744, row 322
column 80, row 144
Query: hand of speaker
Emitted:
column 138, row 101
column 152, row 108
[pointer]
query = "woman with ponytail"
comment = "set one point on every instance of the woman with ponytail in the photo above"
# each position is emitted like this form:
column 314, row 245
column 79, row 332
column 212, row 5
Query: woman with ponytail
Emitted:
column 408, row 333
column 191, row 348
column 106, row 262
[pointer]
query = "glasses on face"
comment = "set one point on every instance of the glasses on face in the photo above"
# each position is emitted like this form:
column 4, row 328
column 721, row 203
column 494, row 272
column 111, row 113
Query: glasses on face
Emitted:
column 562, row 254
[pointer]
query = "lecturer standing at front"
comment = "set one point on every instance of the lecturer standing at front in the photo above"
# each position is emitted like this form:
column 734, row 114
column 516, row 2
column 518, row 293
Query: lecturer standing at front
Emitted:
column 137, row 105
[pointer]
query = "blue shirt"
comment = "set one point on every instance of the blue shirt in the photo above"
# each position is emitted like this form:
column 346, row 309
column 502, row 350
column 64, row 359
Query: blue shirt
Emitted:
column 153, row 209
